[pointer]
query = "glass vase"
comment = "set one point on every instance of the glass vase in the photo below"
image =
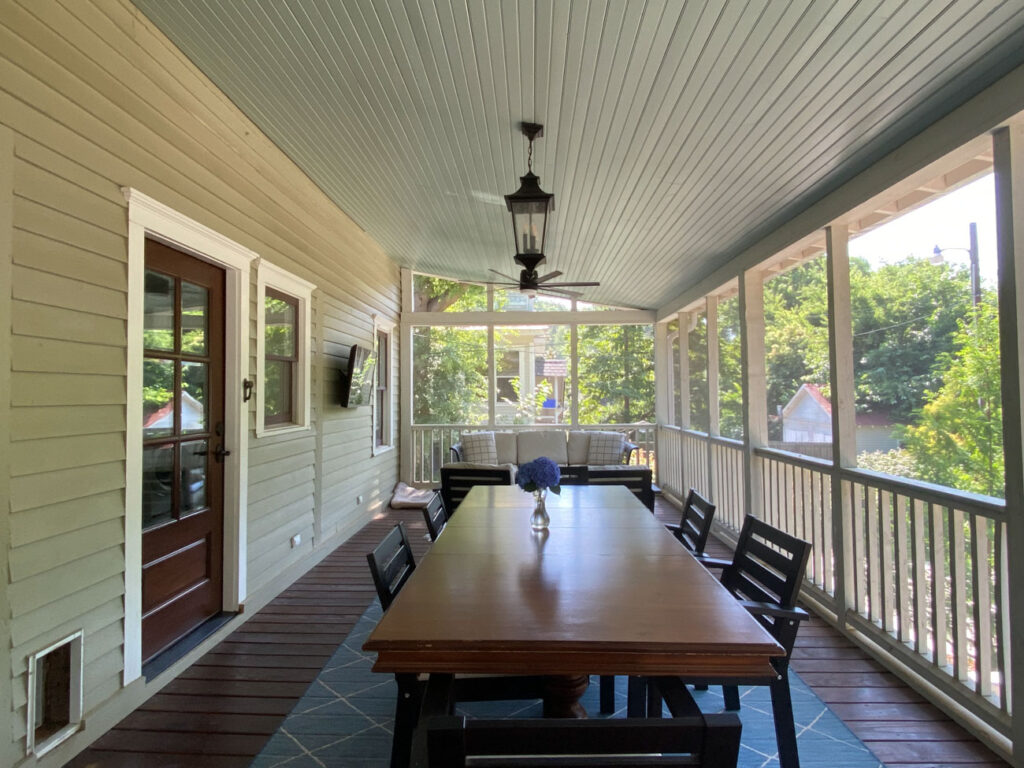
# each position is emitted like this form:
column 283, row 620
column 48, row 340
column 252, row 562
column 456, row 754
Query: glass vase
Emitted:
column 539, row 520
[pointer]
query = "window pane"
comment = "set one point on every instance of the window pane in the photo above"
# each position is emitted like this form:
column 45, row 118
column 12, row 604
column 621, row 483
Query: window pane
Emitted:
column 193, row 318
column 157, row 398
column 532, row 374
column 926, row 344
column 158, row 322
column 449, row 368
column 194, row 404
column 193, row 475
column 796, row 358
column 277, row 392
column 279, row 325
column 433, row 294
column 616, row 376
column 730, row 374
column 157, row 484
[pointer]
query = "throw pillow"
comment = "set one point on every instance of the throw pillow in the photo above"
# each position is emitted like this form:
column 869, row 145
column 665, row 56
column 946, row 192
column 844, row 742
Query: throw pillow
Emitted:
column 606, row 448
column 478, row 448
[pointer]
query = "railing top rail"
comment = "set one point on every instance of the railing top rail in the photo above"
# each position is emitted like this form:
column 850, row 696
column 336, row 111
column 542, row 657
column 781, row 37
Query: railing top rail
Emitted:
column 520, row 427
column 808, row 462
column 989, row 506
column 729, row 442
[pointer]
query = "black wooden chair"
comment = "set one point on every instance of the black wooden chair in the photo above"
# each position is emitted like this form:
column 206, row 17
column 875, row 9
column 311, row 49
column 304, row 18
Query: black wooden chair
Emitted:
column 435, row 516
column 456, row 482
column 695, row 525
column 691, row 739
column 391, row 565
column 636, row 478
column 765, row 575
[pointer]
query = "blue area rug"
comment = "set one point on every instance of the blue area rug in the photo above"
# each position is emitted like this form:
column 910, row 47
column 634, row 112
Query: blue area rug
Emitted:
column 345, row 718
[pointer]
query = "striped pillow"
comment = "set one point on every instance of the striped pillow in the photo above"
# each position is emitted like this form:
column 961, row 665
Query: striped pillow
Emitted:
column 479, row 448
column 605, row 448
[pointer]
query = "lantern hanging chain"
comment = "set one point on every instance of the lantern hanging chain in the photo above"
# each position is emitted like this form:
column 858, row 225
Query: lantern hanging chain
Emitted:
column 529, row 158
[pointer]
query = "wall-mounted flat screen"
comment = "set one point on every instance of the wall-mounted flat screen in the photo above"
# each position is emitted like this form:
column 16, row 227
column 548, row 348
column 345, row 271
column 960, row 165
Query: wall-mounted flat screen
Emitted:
column 357, row 379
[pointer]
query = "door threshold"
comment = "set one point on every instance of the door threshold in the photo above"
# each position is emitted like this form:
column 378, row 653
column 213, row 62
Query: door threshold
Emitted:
column 179, row 648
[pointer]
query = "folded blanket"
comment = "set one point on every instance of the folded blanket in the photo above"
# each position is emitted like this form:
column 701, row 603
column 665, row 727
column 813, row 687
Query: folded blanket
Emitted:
column 407, row 497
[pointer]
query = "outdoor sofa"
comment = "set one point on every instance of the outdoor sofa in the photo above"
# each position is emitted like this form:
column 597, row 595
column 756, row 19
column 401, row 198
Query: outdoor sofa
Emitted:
column 585, row 457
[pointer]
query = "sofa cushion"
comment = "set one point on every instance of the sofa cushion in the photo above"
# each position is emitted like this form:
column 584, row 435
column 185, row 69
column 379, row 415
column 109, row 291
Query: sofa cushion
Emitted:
column 606, row 448
column 505, row 444
column 542, row 442
column 579, row 447
column 479, row 448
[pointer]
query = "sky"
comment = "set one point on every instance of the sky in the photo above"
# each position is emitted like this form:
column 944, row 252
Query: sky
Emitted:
column 944, row 222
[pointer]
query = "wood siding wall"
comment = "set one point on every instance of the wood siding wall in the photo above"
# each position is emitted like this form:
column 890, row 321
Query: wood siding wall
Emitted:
column 94, row 99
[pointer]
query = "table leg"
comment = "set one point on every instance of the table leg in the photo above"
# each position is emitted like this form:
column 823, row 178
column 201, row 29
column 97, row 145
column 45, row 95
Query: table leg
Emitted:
column 407, row 711
column 562, row 695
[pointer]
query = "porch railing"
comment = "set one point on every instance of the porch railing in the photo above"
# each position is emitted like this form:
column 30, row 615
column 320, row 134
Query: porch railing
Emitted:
column 431, row 443
column 926, row 572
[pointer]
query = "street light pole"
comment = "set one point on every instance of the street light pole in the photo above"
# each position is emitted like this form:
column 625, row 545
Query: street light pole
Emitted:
column 975, row 268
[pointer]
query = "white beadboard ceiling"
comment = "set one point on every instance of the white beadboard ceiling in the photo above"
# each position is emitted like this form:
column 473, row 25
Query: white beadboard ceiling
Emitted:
column 676, row 133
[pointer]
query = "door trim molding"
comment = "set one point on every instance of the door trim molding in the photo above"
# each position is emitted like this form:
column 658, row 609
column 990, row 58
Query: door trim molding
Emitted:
column 149, row 218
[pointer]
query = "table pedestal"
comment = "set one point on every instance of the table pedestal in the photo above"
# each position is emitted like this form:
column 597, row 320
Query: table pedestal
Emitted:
column 562, row 695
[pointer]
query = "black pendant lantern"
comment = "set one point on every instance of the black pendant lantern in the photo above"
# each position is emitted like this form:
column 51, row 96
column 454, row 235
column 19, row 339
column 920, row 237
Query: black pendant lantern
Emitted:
column 530, row 206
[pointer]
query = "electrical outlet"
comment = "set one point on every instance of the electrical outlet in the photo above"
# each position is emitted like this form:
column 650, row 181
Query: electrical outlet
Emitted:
column 359, row 499
column 296, row 540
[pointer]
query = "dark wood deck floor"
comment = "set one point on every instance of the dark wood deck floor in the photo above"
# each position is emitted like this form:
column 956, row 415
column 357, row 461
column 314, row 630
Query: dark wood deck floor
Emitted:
column 220, row 712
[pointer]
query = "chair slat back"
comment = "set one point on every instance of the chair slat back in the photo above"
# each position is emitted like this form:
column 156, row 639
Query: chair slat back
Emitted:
column 694, row 528
column 768, row 566
column 708, row 740
column 391, row 564
column 435, row 516
column 456, row 482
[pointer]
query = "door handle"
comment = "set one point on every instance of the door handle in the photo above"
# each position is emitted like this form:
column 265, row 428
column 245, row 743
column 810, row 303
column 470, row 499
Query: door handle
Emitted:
column 219, row 453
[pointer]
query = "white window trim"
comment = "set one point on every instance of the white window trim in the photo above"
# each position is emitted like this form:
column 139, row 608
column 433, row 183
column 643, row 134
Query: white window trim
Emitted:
column 388, row 327
column 271, row 276
column 150, row 218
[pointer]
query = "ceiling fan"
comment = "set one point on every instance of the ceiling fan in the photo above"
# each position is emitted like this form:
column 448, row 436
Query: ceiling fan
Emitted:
column 530, row 282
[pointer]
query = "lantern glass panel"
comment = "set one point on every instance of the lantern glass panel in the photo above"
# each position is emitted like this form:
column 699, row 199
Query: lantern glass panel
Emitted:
column 528, row 219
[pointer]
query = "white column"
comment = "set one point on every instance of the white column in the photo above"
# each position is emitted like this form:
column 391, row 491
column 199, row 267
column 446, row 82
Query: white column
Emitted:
column 714, row 424
column 844, row 434
column 1008, row 146
column 755, row 386
column 684, row 370
column 662, row 380
column 574, row 338
column 405, row 466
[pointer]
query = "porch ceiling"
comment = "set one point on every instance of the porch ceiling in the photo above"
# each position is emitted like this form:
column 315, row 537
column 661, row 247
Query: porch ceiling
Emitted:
column 675, row 133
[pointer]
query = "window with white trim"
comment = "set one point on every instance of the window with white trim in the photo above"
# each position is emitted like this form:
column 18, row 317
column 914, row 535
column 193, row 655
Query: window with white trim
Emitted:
column 283, row 340
column 383, row 422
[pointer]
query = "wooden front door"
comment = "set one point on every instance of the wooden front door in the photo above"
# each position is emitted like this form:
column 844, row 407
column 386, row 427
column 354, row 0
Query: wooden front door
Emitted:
column 183, row 449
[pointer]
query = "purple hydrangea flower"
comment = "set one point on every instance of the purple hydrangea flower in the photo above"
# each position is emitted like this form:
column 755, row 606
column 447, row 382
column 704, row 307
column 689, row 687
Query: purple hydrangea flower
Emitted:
column 540, row 473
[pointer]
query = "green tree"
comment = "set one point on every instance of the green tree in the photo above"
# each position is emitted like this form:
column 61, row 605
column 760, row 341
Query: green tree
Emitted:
column 616, row 376
column 957, row 441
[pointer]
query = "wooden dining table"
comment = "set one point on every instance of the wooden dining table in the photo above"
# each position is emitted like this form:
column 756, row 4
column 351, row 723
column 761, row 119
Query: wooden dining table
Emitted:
column 605, row 590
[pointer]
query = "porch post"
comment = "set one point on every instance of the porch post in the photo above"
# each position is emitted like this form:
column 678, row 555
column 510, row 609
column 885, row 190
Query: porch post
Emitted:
column 844, row 435
column 684, row 371
column 755, row 387
column 714, row 426
column 574, row 343
column 405, row 466
column 1008, row 146
column 662, row 383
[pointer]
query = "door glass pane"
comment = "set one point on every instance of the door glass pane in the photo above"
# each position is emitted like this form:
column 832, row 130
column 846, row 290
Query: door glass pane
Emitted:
column 158, row 323
column 157, row 484
column 279, row 326
column 193, row 475
column 194, row 403
column 277, row 395
column 157, row 398
column 193, row 318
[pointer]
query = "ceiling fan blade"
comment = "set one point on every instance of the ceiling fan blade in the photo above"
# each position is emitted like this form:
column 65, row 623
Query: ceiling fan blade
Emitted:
column 502, row 274
column 572, row 285
column 549, row 276
column 558, row 293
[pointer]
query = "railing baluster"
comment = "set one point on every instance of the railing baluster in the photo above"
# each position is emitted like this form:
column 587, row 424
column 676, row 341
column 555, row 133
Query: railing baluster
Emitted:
column 860, row 559
column 920, row 581
column 903, row 572
column 825, row 505
column 938, row 565
column 1003, row 656
column 958, row 592
column 886, row 543
column 874, row 564
column 982, row 615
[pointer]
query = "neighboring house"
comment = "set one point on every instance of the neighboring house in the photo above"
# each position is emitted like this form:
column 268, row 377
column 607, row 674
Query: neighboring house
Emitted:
column 807, row 418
